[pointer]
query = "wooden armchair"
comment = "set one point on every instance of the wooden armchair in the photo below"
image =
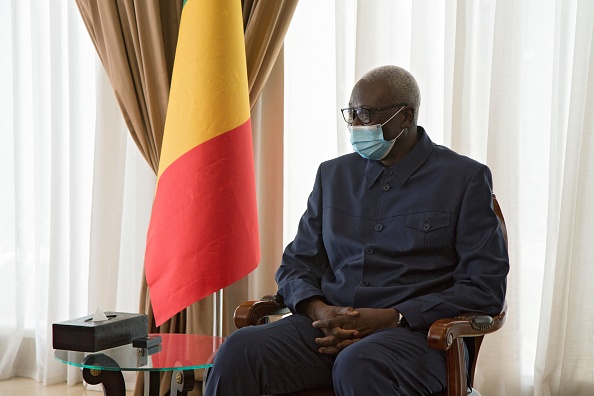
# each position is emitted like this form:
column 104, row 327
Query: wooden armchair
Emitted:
column 446, row 334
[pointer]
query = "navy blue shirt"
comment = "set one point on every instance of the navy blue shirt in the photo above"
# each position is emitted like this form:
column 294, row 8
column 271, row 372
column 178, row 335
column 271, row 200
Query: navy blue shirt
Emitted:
column 420, row 236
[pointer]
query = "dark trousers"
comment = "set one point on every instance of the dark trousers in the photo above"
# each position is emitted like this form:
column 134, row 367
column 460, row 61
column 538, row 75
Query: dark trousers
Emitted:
column 282, row 357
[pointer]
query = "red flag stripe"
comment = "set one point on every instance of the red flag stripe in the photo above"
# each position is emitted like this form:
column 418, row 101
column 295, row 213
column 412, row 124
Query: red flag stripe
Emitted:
column 204, row 209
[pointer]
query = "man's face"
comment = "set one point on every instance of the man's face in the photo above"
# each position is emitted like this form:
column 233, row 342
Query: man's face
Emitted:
column 373, row 96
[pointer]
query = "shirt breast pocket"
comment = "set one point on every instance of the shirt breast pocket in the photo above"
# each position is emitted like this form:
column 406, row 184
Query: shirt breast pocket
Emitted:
column 428, row 230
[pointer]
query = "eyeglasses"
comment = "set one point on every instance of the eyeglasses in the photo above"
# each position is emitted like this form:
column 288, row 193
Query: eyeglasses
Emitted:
column 364, row 114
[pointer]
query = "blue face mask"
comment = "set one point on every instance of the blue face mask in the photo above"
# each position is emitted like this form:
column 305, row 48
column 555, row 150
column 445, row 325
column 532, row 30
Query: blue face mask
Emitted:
column 369, row 142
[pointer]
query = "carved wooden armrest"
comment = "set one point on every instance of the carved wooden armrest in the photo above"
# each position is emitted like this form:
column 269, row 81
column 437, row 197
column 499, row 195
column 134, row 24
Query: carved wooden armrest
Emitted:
column 251, row 313
column 443, row 332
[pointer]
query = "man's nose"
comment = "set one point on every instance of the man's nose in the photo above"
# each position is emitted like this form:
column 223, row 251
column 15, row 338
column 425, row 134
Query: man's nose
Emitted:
column 356, row 121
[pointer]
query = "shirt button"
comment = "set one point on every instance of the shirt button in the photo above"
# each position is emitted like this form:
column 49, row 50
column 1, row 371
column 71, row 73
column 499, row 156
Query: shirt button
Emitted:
column 379, row 227
column 389, row 172
column 426, row 227
column 364, row 283
column 386, row 187
column 368, row 250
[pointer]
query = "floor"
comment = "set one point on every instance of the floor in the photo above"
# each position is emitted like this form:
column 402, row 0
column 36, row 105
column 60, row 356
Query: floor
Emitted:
column 27, row 387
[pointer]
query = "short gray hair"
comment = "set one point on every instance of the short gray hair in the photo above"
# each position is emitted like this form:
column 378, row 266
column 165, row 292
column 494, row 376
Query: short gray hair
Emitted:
column 403, row 84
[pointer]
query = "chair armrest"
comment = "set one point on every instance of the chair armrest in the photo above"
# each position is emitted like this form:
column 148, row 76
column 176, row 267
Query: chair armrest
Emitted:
column 252, row 313
column 444, row 332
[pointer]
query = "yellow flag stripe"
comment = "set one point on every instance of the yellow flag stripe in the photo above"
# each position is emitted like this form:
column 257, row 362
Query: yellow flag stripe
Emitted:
column 209, row 89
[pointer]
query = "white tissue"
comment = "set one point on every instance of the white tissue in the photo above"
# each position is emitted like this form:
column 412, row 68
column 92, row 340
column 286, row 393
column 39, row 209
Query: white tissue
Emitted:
column 99, row 316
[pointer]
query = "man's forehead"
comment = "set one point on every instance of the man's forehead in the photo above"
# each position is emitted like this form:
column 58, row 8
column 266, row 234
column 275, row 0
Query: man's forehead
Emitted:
column 367, row 94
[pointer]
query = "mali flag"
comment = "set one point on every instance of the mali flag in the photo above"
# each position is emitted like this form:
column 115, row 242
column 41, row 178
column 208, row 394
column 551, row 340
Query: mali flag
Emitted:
column 203, row 232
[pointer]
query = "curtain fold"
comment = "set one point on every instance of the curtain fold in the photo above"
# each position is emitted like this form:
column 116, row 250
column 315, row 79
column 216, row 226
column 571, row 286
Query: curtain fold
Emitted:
column 565, row 353
column 136, row 42
column 265, row 23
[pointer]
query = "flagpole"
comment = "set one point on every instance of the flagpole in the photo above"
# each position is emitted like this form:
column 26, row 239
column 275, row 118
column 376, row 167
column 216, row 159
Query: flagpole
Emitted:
column 217, row 313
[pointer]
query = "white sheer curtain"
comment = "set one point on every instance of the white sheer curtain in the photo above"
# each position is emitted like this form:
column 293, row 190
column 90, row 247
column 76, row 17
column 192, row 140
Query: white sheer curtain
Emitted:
column 509, row 83
column 75, row 195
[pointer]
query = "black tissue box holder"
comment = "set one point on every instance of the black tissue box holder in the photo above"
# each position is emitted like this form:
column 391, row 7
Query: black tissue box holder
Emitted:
column 84, row 335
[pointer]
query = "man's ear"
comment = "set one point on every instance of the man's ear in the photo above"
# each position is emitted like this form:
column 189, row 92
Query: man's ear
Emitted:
column 409, row 116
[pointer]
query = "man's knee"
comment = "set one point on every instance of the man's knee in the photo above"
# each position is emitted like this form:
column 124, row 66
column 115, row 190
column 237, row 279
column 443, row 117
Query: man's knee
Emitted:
column 353, row 366
column 272, row 358
column 232, row 372
column 393, row 363
column 241, row 348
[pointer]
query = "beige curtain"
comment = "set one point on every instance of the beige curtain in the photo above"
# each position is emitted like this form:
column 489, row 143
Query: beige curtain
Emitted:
column 136, row 43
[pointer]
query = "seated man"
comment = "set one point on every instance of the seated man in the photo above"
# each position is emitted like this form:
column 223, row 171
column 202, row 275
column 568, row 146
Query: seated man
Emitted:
column 395, row 236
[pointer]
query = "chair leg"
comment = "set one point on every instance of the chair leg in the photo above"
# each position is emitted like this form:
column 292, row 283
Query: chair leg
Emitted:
column 456, row 364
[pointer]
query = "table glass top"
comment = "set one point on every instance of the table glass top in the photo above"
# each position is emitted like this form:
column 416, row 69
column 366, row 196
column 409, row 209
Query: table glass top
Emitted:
column 176, row 352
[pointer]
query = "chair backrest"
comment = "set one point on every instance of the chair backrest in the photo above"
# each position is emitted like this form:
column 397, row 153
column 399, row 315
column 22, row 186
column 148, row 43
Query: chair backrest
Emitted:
column 473, row 344
column 499, row 215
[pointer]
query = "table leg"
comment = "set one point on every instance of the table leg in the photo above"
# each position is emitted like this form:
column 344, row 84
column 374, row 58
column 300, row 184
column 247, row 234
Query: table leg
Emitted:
column 112, row 381
column 152, row 383
column 182, row 381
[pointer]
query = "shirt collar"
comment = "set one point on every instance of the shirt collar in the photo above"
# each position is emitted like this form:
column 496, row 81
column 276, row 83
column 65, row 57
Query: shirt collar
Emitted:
column 404, row 169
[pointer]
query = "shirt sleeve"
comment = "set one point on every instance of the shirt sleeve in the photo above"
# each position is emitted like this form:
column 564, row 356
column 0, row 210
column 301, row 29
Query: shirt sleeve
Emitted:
column 304, row 260
column 480, row 274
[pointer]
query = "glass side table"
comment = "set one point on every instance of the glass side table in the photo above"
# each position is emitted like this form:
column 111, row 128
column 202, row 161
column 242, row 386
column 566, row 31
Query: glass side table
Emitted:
column 180, row 353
